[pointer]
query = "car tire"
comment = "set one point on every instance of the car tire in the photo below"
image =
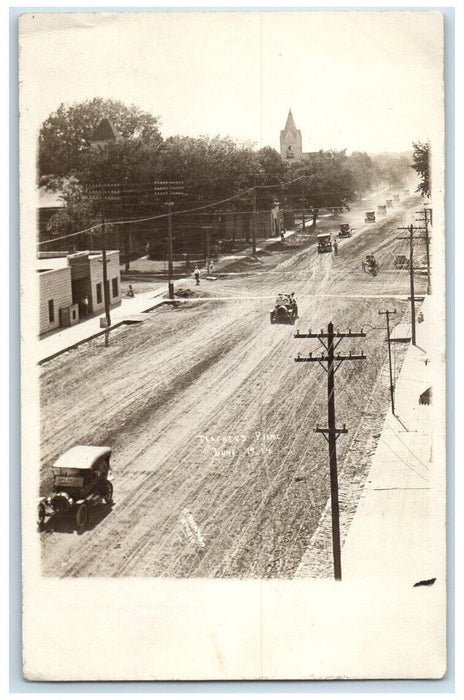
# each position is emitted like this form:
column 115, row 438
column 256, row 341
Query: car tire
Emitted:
column 82, row 516
column 108, row 493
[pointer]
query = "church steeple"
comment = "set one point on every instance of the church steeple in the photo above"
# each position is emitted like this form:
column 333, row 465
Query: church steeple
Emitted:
column 291, row 147
column 290, row 123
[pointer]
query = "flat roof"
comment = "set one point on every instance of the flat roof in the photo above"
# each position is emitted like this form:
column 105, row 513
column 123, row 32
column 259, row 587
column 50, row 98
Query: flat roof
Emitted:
column 47, row 264
column 61, row 261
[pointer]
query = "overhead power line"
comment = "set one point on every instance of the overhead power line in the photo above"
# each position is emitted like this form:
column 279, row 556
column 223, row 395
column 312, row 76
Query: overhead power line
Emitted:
column 154, row 217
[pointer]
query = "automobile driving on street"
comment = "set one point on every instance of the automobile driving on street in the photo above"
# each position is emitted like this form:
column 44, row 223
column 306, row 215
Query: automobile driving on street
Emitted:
column 80, row 481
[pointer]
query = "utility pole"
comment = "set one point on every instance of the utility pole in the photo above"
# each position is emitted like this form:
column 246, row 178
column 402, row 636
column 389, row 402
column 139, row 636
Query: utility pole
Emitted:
column 392, row 387
column 411, row 230
column 426, row 213
column 303, row 222
column 105, row 266
column 253, row 232
column 207, row 230
column 330, row 342
column 170, row 267
column 411, row 284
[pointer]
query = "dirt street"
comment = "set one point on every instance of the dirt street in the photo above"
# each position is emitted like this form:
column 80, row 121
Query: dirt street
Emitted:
column 217, row 469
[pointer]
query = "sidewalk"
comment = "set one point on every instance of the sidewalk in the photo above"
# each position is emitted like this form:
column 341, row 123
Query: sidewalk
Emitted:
column 397, row 530
column 398, row 524
column 58, row 342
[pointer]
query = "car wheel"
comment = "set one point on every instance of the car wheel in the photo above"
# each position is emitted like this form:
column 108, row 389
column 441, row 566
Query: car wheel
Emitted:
column 82, row 516
column 108, row 493
column 40, row 515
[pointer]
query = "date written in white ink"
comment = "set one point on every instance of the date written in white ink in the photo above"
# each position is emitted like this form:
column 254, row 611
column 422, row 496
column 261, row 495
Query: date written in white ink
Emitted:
column 252, row 444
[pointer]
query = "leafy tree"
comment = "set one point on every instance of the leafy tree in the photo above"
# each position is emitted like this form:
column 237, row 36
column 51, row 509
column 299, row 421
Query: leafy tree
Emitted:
column 79, row 212
column 421, row 164
column 393, row 169
column 326, row 181
column 212, row 168
column 363, row 170
column 65, row 135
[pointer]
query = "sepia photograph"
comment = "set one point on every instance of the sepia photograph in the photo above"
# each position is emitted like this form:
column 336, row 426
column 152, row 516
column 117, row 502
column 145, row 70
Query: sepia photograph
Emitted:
column 232, row 237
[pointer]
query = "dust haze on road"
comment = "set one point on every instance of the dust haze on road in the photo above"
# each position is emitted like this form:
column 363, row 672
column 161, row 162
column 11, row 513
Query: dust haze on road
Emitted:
column 217, row 469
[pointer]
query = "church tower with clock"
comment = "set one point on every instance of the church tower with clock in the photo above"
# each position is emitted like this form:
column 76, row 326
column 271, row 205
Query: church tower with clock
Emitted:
column 291, row 147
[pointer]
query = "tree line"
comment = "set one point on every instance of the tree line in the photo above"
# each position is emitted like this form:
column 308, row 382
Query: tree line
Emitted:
column 212, row 169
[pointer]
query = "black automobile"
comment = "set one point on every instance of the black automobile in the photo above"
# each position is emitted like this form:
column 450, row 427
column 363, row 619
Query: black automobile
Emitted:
column 80, row 481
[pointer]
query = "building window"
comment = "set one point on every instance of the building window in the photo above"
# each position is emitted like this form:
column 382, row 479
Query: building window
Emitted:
column 114, row 283
column 51, row 311
column 99, row 293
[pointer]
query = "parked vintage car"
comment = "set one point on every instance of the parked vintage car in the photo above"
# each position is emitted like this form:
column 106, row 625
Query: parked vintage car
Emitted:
column 389, row 203
column 370, row 217
column 401, row 262
column 345, row 231
column 80, row 481
column 396, row 198
column 382, row 209
column 324, row 243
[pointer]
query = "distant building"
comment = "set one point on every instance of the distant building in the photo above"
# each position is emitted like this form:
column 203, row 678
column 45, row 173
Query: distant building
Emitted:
column 71, row 286
column 291, row 146
column 49, row 204
column 105, row 133
column 290, row 140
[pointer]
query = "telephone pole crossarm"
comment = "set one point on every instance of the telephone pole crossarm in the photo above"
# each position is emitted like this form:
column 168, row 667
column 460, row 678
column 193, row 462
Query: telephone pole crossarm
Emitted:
column 326, row 358
column 360, row 334
column 336, row 431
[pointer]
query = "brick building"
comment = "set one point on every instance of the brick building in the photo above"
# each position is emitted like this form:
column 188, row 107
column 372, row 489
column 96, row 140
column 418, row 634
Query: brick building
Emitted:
column 71, row 287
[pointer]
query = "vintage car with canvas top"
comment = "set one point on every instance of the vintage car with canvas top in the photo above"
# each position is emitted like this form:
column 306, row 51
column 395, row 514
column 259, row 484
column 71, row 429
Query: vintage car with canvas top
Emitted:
column 81, row 479
column 324, row 243
column 345, row 231
column 370, row 217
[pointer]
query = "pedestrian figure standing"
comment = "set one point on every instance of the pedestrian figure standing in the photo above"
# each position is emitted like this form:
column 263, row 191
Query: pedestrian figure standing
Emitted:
column 196, row 274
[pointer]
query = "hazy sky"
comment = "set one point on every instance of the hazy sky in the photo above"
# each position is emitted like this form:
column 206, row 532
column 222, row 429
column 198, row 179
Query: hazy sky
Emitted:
column 357, row 80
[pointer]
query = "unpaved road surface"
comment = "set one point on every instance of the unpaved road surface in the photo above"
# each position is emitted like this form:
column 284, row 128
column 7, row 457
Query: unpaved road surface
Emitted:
column 217, row 469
